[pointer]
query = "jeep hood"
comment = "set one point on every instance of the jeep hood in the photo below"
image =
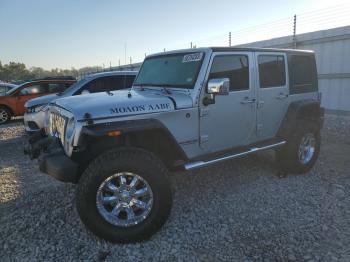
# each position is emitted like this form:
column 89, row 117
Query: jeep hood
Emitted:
column 124, row 103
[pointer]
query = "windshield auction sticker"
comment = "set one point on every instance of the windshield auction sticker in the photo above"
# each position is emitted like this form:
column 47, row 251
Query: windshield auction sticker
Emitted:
column 192, row 57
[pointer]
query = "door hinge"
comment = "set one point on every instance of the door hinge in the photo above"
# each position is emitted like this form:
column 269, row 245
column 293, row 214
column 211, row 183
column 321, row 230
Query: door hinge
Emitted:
column 260, row 104
column 203, row 112
column 203, row 139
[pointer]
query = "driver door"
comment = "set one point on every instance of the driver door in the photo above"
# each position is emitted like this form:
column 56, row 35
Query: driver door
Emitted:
column 231, row 121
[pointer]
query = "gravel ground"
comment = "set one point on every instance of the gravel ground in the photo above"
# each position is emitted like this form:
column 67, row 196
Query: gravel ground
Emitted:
column 239, row 210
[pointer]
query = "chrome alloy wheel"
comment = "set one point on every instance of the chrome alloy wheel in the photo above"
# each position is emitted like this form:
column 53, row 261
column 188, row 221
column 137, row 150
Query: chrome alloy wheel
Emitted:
column 3, row 115
column 124, row 199
column 307, row 148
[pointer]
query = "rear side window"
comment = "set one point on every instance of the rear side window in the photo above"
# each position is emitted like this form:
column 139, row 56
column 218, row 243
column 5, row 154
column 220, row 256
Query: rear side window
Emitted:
column 303, row 76
column 272, row 71
column 233, row 67
column 34, row 89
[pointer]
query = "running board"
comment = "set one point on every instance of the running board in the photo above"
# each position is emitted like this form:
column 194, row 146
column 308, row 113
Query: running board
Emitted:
column 199, row 164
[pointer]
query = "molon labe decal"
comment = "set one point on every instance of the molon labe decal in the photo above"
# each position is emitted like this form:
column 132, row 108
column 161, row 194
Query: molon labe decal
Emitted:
column 140, row 108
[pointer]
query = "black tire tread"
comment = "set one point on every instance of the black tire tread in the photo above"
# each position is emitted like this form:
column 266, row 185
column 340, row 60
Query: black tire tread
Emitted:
column 286, row 156
column 9, row 113
column 136, row 155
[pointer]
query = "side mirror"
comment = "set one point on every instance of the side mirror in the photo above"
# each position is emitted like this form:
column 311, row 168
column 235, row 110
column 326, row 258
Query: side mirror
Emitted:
column 218, row 86
column 85, row 92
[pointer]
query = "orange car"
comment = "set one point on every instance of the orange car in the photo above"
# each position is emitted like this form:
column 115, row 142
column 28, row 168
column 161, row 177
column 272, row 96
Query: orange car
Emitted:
column 12, row 102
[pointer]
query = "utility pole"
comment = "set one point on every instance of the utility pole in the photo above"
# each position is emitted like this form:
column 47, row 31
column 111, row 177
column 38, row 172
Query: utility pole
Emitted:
column 229, row 39
column 191, row 45
column 125, row 54
column 294, row 32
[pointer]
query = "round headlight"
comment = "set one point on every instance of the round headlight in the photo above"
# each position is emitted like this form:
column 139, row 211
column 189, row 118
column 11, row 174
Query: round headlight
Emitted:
column 70, row 128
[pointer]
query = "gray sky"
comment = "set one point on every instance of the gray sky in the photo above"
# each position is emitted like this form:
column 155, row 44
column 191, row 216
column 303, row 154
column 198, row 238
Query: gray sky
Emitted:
column 77, row 33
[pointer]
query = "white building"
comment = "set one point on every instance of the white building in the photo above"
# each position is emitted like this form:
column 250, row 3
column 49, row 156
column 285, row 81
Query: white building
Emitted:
column 332, row 49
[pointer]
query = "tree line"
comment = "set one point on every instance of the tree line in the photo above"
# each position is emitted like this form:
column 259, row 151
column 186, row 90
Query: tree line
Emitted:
column 15, row 72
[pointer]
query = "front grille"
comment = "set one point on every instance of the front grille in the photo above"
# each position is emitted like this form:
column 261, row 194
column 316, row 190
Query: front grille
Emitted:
column 57, row 125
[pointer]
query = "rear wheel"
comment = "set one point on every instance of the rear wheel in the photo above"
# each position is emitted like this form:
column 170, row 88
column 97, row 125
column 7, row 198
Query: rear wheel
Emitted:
column 301, row 151
column 124, row 195
column 5, row 115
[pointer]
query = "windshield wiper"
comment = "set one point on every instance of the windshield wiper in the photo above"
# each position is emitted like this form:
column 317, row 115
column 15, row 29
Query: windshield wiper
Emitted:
column 157, row 85
column 142, row 86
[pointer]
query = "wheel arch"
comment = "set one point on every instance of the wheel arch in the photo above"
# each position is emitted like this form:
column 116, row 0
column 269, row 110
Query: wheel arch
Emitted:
column 308, row 110
column 8, row 108
column 148, row 134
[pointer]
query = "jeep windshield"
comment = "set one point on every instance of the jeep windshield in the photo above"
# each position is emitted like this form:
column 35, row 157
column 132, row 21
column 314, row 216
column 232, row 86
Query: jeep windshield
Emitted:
column 172, row 70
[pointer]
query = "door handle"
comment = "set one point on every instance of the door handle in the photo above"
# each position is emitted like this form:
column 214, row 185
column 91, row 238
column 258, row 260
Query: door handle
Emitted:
column 248, row 100
column 281, row 96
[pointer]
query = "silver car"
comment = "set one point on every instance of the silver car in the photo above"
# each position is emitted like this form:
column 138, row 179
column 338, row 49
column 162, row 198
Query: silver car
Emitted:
column 36, row 109
column 5, row 87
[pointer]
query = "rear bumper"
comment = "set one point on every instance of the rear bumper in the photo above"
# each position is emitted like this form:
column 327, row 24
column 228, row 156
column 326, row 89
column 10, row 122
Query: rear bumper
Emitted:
column 59, row 166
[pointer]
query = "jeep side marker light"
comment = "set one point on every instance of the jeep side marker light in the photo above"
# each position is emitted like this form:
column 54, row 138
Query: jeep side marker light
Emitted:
column 114, row 133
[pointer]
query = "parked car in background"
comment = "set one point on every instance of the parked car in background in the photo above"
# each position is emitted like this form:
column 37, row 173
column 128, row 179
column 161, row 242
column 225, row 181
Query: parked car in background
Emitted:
column 99, row 82
column 5, row 87
column 12, row 102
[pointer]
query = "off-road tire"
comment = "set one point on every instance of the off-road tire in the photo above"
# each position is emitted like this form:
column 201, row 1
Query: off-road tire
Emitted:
column 7, row 112
column 287, row 156
column 135, row 160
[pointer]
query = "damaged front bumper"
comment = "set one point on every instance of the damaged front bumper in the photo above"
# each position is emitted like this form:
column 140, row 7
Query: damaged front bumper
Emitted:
column 51, row 157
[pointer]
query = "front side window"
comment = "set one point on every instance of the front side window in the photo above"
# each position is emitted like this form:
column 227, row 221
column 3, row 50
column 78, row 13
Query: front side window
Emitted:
column 233, row 67
column 129, row 80
column 100, row 84
column 34, row 89
column 175, row 70
column 272, row 71
column 106, row 83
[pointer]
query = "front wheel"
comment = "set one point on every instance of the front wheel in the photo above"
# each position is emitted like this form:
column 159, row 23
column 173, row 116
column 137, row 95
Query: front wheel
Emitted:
column 124, row 195
column 5, row 115
column 301, row 151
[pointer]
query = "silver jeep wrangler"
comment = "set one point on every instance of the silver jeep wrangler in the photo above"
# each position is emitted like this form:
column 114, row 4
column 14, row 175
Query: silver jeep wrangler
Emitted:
column 187, row 109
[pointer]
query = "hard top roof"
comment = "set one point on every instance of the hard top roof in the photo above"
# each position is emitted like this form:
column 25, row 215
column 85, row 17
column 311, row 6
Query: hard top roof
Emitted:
column 258, row 49
column 230, row 49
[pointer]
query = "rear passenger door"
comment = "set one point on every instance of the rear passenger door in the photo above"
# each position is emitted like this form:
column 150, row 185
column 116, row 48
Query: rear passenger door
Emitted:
column 272, row 93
